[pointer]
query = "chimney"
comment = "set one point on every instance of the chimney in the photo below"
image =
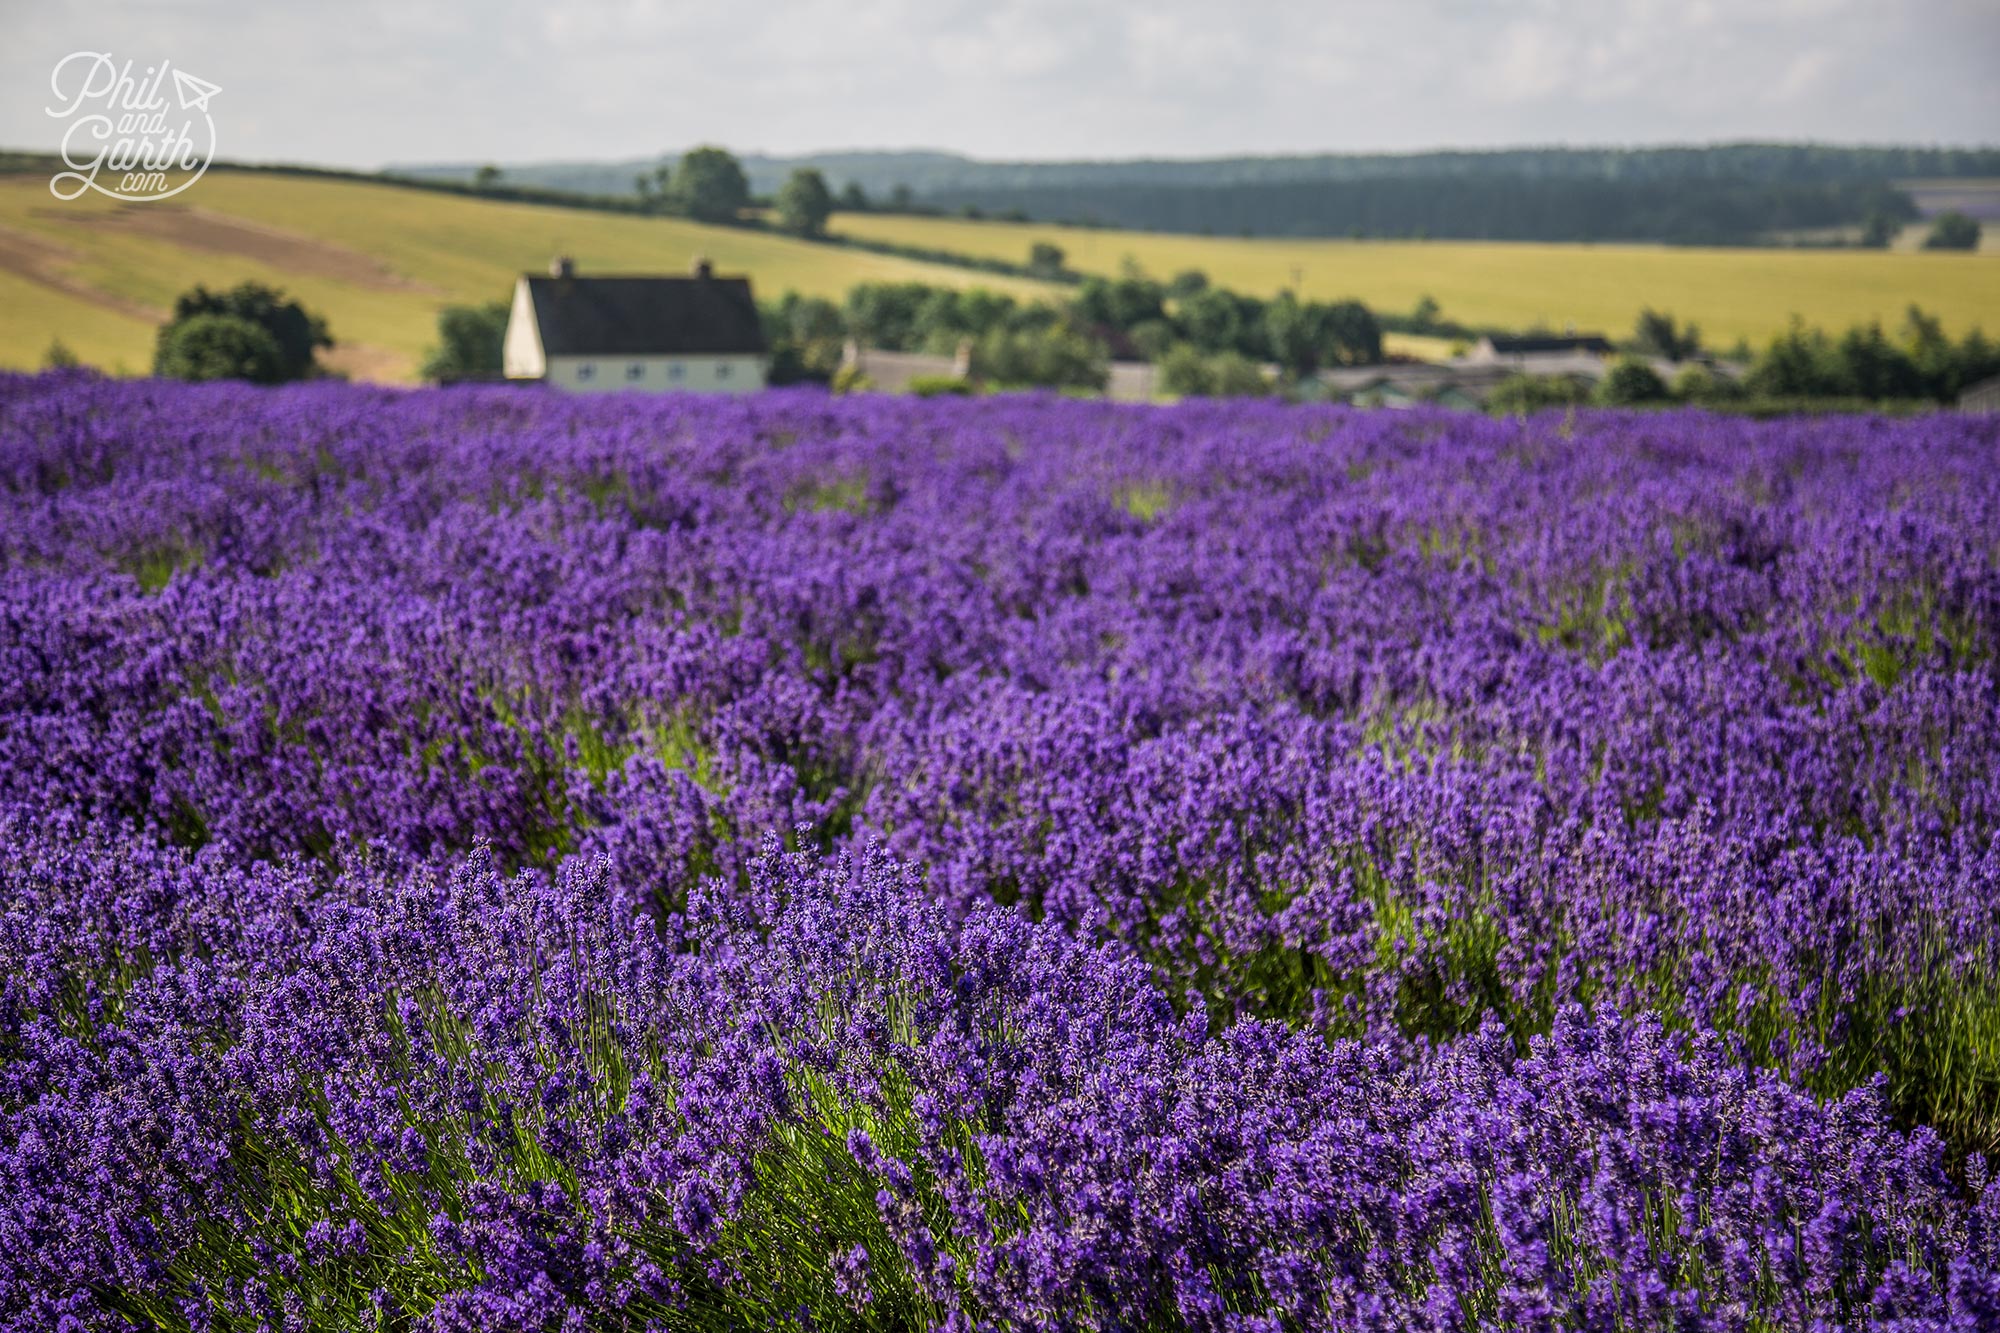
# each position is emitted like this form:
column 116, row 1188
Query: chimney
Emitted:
column 562, row 266
column 702, row 268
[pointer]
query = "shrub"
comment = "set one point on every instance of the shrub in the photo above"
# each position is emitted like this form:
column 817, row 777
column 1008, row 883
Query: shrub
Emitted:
column 1518, row 395
column 1056, row 358
column 1185, row 372
column 218, row 347
column 470, row 343
column 940, row 386
column 296, row 332
column 1235, row 375
column 1699, row 384
column 1629, row 383
column 1953, row 231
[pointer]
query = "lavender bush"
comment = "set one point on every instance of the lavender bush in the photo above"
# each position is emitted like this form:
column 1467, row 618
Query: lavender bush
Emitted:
column 483, row 860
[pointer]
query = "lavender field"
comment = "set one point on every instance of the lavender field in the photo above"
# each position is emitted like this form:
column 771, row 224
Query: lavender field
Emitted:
column 484, row 860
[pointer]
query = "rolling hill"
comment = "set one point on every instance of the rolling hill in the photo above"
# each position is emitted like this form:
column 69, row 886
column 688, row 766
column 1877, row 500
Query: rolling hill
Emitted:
column 378, row 260
column 1730, row 293
column 381, row 259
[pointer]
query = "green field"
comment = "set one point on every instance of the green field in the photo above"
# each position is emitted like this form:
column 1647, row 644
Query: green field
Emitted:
column 1731, row 294
column 378, row 260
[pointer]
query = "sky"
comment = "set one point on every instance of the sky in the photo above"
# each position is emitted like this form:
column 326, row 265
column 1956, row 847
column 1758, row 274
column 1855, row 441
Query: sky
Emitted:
column 366, row 83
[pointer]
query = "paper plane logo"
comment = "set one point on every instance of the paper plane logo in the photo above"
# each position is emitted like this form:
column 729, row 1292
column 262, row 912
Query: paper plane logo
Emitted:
column 126, row 137
column 194, row 92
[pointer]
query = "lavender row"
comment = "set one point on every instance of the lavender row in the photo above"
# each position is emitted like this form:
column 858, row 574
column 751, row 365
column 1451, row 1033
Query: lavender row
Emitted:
column 256, row 1098
column 1449, row 751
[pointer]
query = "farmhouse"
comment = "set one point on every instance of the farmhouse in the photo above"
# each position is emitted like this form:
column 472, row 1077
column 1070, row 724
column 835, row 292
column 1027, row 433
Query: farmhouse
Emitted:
column 698, row 334
column 1544, row 354
column 1981, row 397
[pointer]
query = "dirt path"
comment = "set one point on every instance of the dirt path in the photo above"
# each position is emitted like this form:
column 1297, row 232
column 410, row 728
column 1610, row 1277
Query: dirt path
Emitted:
column 222, row 234
column 47, row 262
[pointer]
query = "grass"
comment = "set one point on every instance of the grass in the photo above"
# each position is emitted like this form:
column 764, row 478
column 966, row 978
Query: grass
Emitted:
column 1422, row 347
column 1730, row 293
column 431, row 250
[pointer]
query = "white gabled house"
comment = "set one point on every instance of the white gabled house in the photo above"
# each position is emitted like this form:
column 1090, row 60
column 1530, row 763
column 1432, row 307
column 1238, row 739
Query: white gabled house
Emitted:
column 698, row 334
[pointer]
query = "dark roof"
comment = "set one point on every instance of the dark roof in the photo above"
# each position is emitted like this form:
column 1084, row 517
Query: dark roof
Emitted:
column 1588, row 342
column 642, row 316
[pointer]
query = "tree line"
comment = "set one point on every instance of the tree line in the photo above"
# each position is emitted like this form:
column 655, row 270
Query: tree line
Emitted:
column 1197, row 332
column 1690, row 212
column 1862, row 368
column 1205, row 339
column 919, row 174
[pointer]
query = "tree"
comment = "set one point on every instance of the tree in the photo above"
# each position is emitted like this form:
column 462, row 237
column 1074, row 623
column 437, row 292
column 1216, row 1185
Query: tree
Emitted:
column 1426, row 313
column 218, row 347
column 1629, row 383
column 1799, row 363
column 1237, row 376
column 1306, row 336
column 1696, row 383
column 1184, row 372
column 1879, row 230
column 1874, row 367
column 1046, row 260
column 1217, row 321
column 853, row 199
column 59, row 357
column 1953, row 231
column 804, row 203
column 486, row 177
column 1056, row 357
column 1656, row 334
column 1121, row 304
column 297, row 332
column 884, row 314
column 470, row 338
column 1188, row 282
column 1931, row 352
column 1348, row 333
column 655, row 189
column 709, row 185
column 1153, row 338
column 1290, row 331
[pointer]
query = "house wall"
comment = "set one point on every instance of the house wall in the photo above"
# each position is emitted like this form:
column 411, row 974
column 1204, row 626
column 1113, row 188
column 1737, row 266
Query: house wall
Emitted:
column 657, row 374
column 521, row 351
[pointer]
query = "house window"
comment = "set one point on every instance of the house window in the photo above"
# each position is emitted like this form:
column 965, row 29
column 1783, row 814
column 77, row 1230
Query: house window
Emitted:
column 722, row 370
column 676, row 371
column 586, row 371
column 635, row 371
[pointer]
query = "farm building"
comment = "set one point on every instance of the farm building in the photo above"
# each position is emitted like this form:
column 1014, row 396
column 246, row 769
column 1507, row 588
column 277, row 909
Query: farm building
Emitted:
column 894, row 372
column 1543, row 354
column 1981, row 397
column 1456, row 384
column 697, row 334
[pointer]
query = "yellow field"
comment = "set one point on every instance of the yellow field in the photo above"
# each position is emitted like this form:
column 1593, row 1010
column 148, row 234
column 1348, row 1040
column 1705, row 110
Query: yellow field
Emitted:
column 1731, row 294
column 378, row 261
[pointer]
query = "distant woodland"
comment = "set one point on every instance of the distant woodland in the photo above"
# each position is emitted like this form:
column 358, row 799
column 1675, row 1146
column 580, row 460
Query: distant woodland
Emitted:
column 1745, row 193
